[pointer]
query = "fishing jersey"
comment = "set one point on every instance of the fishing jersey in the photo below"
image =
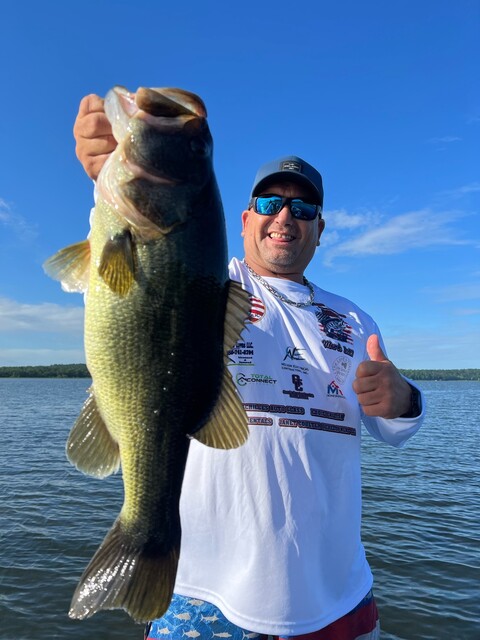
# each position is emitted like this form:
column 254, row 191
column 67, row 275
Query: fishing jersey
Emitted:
column 271, row 530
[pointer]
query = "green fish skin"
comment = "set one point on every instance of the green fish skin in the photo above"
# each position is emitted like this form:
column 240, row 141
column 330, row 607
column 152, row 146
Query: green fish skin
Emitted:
column 160, row 316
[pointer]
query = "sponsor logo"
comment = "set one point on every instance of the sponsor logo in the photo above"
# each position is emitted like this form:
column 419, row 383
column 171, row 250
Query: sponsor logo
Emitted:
column 340, row 368
column 291, row 165
column 333, row 324
column 242, row 353
column 317, row 426
column 260, row 420
column 243, row 379
column 273, row 408
column 299, row 395
column 297, row 382
column 299, row 392
column 335, row 346
column 257, row 309
column 331, row 415
column 293, row 353
column 333, row 390
column 288, row 366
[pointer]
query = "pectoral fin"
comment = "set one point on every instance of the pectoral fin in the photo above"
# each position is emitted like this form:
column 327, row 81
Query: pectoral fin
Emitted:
column 71, row 267
column 90, row 447
column 117, row 264
column 227, row 426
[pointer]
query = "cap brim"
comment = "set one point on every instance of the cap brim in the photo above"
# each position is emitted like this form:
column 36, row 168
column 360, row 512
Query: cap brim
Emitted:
column 287, row 176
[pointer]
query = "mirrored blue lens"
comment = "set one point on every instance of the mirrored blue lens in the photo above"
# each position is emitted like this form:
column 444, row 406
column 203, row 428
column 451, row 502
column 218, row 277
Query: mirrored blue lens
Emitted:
column 303, row 210
column 271, row 205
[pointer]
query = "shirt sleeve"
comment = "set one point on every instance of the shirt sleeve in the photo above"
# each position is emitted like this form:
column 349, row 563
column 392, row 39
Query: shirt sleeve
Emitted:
column 394, row 431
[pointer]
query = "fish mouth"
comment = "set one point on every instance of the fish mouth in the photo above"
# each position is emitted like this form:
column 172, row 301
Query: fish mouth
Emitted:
column 149, row 123
column 168, row 109
column 169, row 102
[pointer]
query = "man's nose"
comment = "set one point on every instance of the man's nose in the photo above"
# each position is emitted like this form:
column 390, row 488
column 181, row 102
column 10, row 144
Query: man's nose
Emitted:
column 284, row 216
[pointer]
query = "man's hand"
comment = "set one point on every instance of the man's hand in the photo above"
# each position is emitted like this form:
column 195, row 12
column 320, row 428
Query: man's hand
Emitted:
column 93, row 135
column 381, row 390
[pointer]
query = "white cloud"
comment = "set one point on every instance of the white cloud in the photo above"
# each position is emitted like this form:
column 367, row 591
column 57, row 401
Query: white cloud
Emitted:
column 466, row 312
column 444, row 140
column 329, row 238
column 45, row 317
column 16, row 223
column 455, row 292
column 465, row 190
column 423, row 228
column 341, row 219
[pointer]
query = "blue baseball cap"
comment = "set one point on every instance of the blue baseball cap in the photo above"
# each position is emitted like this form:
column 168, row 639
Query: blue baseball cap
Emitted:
column 289, row 168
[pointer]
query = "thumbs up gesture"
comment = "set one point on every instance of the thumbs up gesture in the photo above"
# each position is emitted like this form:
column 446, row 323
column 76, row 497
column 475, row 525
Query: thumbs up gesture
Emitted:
column 380, row 388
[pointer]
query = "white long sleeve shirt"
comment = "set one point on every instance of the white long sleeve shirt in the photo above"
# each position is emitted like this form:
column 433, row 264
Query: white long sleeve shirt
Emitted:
column 271, row 530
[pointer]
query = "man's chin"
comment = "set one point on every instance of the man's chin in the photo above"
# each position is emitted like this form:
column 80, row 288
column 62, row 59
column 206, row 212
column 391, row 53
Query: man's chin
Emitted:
column 279, row 260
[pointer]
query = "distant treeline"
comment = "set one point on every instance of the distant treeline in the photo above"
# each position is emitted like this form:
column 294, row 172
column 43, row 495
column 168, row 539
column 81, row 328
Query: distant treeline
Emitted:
column 50, row 371
column 442, row 374
column 81, row 371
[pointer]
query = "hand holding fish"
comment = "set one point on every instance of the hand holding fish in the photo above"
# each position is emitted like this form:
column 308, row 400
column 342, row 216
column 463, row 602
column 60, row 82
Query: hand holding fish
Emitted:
column 93, row 135
column 381, row 389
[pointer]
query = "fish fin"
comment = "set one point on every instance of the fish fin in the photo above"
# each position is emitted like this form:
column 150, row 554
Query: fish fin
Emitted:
column 71, row 266
column 236, row 315
column 227, row 425
column 126, row 574
column 90, row 446
column 117, row 263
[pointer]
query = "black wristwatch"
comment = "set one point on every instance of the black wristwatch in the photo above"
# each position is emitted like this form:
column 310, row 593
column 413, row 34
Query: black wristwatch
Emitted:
column 415, row 404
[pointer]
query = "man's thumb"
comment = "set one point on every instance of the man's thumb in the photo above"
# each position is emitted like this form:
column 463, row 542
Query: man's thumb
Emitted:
column 374, row 349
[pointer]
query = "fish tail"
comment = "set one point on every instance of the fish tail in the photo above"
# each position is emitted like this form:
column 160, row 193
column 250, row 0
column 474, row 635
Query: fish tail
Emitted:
column 126, row 574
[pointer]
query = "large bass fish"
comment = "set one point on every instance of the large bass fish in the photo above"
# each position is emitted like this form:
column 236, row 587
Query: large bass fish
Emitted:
column 160, row 316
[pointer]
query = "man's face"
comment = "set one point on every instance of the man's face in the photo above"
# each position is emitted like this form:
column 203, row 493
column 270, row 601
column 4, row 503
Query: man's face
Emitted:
column 280, row 245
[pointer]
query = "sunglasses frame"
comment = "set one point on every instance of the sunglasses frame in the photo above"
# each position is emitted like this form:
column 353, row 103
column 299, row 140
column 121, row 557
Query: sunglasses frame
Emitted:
column 285, row 201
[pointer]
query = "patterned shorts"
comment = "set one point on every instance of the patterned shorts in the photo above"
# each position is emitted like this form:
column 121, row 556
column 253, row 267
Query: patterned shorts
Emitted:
column 197, row 619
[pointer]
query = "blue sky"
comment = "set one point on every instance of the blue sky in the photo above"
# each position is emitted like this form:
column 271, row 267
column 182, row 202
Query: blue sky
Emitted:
column 383, row 98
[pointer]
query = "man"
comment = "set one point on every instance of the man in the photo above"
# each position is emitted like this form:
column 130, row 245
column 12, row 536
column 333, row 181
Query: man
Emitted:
column 271, row 531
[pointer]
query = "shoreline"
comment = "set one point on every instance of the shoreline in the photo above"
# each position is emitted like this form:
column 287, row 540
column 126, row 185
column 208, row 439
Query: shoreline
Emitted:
column 79, row 370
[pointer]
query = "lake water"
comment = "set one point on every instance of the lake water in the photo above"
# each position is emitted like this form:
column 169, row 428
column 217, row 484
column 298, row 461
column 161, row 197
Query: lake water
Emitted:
column 421, row 518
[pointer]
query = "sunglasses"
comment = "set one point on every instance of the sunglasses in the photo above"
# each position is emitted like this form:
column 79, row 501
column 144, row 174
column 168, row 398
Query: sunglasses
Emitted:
column 270, row 205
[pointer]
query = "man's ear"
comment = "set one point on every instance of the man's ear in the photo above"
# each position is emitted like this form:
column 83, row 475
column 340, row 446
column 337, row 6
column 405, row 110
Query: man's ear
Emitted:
column 321, row 228
column 245, row 216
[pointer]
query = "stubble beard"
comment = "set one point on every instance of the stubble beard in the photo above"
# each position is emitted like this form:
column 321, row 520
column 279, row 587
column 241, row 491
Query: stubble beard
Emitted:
column 280, row 258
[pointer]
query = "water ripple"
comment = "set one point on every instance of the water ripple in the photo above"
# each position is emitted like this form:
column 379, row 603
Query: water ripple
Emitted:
column 421, row 519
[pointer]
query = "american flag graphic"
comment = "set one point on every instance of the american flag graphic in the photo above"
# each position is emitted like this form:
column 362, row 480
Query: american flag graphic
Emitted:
column 257, row 309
